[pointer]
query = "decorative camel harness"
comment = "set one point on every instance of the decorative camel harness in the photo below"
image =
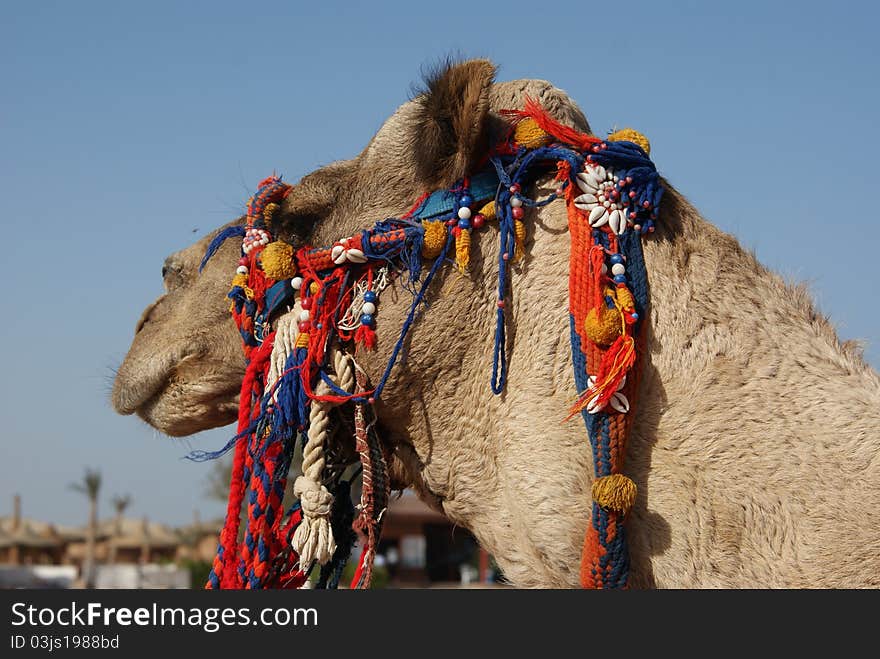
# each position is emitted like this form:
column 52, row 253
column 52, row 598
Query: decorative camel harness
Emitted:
column 323, row 304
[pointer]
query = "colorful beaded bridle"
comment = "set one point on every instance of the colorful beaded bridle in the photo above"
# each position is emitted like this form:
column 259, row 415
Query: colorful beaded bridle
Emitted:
column 304, row 313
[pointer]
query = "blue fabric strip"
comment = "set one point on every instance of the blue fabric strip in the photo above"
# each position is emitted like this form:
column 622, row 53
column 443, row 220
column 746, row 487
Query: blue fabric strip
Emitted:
column 483, row 187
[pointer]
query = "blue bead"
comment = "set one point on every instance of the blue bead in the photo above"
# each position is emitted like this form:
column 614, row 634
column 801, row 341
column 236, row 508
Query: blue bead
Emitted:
column 367, row 319
column 635, row 316
column 616, row 258
column 466, row 200
column 619, row 279
column 370, row 296
column 464, row 224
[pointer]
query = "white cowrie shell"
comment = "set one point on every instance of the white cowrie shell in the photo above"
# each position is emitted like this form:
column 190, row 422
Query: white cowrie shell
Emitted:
column 598, row 216
column 593, row 406
column 585, row 202
column 587, row 183
column 356, row 256
column 617, row 222
column 337, row 253
column 620, row 403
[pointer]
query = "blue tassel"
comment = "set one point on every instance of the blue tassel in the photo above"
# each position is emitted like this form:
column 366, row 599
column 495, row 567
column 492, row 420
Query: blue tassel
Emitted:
column 219, row 239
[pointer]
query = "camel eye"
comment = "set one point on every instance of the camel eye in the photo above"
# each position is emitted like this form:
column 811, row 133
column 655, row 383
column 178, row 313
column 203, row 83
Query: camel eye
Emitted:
column 170, row 269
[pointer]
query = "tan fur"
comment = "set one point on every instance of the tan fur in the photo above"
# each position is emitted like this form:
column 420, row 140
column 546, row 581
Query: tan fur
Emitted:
column 757, row 434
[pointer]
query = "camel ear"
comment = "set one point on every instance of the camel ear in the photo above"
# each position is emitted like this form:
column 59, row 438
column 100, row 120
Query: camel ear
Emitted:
column 451, row 131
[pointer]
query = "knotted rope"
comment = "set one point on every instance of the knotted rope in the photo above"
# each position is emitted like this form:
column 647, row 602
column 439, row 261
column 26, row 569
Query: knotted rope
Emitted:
column 313, row 538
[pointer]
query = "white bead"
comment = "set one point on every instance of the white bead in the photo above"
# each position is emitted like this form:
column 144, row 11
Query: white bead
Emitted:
column 303, row 315
column 515, row 202
column 618, row 269
column 604, row 269
column 297, row 283
column 606, row 204
column 242, row 270
column 369, row 308
column 464, row 213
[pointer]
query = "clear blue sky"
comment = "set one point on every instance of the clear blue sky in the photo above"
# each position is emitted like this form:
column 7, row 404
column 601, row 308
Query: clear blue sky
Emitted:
column 124, row 126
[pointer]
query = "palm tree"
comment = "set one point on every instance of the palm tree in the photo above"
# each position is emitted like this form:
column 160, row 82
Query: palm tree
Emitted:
column 120, row 503
column 91, row 487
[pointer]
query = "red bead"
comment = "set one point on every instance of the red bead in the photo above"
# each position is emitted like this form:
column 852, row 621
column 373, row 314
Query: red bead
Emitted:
column 505, row 256
column 304, row 326
column 243, row 260
column 514, row 188
column 306, row 303
column 371, row 400
column 517, row 212
column 500, row 304
column 478, row 221
column 560, row 192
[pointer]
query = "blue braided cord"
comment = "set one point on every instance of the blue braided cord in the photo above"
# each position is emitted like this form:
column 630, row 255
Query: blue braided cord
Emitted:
column 614, row 564
column 411, row 317
column 636, row 273
column 219, row 239
column 507, row 237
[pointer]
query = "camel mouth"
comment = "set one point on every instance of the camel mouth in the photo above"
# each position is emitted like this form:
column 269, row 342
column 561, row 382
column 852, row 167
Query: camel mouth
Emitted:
column 188, row 396
column 182, row 408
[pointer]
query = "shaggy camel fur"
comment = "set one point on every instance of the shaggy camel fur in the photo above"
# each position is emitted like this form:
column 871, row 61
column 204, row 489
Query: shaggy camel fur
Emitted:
column 755, row 447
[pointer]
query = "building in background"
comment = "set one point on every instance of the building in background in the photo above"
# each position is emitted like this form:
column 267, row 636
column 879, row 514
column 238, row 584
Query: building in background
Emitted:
column 419, row 547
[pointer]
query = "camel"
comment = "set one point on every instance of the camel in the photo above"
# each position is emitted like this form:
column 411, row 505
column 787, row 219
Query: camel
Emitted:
column 757, row 432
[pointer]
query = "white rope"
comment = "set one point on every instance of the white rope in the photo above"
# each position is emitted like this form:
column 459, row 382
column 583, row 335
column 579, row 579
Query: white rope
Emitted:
column 286, row 331
column 313, row 538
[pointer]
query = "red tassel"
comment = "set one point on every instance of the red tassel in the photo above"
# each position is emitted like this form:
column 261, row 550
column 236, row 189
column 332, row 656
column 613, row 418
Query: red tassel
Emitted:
column 616, row 362
column 366, row 336
column 549, row 125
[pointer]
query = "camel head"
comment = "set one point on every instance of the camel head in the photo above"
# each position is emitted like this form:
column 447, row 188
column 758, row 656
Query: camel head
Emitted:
column 183, row 371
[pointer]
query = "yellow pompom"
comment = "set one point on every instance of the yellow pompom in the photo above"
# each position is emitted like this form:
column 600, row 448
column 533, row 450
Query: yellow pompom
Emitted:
column 602, row 325
column 529, row 134
column 463, row 249
column 488, row 211
column 277, row 260
column 435, row 239
column 269, row 211
column 519, row 229
column 631, row 135
column 240, row 280
column 614, row 492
